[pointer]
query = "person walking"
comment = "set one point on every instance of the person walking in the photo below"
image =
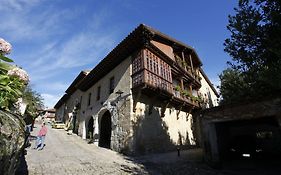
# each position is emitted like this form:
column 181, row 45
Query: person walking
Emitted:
column 41, row 137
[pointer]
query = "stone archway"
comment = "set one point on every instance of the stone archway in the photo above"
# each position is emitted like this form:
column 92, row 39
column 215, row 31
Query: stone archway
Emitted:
column 105, row 130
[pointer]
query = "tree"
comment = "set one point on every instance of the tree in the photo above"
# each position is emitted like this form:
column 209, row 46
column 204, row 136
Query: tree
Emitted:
column 34, row 101
column 254, row 46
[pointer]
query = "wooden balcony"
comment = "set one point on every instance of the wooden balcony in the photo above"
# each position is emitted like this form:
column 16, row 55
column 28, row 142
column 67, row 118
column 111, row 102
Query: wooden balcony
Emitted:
column 188, row 69
column 148, row 78
column 153, row 75
column 182, row 98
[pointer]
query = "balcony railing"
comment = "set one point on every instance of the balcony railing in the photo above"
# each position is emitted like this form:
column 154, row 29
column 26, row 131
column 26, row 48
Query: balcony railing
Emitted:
column 149, row 78
column 187, row 99
column 150, row 70
column 187, row 68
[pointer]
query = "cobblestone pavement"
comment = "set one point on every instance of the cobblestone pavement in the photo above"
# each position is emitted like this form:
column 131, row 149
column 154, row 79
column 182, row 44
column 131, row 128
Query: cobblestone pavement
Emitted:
column 70, row 155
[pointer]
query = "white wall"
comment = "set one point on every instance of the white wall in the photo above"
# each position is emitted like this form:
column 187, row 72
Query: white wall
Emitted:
column 208, row 93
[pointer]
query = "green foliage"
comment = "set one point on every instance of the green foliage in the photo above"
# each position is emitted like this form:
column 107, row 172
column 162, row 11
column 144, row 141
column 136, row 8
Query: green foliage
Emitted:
column 4, row 67
column 233, row 86
column 9, row 86
column 10, row 90
column 199, row 99
column 34, row 101
column 178, row 88
column 186, row 93
column 13, row 81
column 254, row 46
column 6, row 59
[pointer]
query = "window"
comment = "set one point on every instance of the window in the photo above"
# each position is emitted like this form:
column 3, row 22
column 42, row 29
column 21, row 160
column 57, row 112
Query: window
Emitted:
column 111, row 85
column 89, row 99
column 98, row 93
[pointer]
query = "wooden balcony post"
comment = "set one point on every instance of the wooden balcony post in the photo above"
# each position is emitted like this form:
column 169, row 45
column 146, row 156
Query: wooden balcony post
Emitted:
column 182, row 85
column 190, row 88
column 183, row 59
column 191, row 62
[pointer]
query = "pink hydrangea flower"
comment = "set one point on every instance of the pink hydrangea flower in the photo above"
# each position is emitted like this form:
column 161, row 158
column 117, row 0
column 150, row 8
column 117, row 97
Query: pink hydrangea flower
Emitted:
column 20, row 73
column 5, row 47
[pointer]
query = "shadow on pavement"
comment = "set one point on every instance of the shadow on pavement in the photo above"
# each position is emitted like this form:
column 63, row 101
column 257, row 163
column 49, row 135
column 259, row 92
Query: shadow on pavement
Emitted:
column 168, row 164
column 22, row 168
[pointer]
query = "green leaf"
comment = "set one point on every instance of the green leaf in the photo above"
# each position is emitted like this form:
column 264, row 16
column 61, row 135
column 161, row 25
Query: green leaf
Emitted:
column 4, row 80
column 6, row 59
column 5, row 66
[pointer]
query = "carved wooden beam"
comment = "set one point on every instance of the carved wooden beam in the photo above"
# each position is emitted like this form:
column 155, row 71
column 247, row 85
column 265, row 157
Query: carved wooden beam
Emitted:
column 164, row 107
column 180, row 110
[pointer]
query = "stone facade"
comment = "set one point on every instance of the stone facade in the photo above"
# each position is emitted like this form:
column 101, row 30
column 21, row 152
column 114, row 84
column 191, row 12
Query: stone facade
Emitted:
column 139, row 122
column 155, row 133
column 108, row 101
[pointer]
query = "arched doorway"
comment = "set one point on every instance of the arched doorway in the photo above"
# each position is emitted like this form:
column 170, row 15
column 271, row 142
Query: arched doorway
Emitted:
column 105, row 130
column 90, row 129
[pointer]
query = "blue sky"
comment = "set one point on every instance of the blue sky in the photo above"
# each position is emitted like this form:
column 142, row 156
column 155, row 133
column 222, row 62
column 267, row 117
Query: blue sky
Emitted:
column 53, row 40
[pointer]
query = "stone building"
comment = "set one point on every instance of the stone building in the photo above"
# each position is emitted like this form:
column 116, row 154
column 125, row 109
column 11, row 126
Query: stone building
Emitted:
column 141, row 96
column 245, row 131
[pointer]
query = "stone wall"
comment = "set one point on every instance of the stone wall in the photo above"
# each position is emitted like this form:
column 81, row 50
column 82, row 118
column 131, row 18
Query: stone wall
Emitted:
column 153, row 133
column 112, row 102
column 121, row 127
column 12, row 137
column 237, row 124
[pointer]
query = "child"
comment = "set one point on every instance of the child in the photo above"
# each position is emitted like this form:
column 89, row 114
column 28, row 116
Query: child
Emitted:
column 41, row 137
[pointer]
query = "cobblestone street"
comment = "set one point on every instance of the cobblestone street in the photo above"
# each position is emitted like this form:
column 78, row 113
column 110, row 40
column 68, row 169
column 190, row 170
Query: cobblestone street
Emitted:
column 69, row 154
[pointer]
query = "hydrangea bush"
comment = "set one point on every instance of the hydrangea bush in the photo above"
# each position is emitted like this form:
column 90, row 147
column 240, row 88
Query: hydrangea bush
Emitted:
column 5, row 47
column 12, row 79
column 20, row 73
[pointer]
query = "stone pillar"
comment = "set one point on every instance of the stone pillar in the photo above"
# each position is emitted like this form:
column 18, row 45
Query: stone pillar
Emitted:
column 210, row 143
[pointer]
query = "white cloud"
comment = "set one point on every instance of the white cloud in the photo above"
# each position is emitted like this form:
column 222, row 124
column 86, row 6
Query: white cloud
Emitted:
column 52, row 44
column 50, row 99
column 80, row 50
column 54, row 86
column 44, row 53
column 6, row 5
column 23, row 23
column 83, row 49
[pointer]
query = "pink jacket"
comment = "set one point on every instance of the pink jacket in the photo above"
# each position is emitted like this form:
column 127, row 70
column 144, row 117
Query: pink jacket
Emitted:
column 43, row 131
